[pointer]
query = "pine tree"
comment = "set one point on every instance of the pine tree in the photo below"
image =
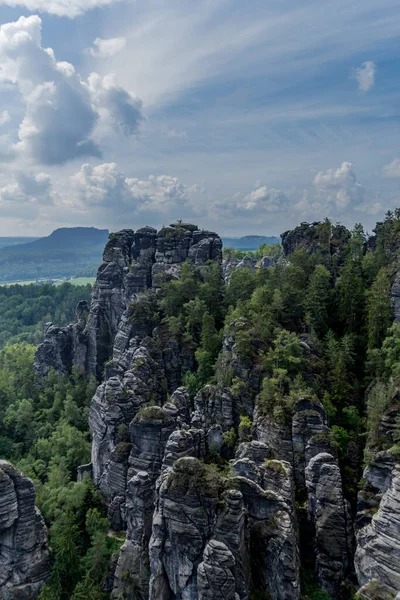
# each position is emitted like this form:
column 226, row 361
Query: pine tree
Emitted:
column 318, row 300
column 379, row 309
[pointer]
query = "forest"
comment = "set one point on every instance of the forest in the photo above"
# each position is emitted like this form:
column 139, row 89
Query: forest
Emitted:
column 24, row 309
column 319, row 325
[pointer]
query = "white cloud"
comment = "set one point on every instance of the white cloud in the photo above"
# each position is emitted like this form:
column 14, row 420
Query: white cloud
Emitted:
column 264, row 199
column 123, row 110
column 25, row 195
column 365, row 75
column 174, row 133
column 61, row 8
column 393, row 169
column 160, row 193
column 105, row 48
column 4, row 117
column 339, row 187
column 61, row 109
column 107, row 188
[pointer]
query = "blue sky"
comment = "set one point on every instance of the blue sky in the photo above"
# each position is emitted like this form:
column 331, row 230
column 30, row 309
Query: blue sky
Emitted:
column 243, row 117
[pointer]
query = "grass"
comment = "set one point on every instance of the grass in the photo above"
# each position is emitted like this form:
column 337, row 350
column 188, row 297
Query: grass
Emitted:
column 77, row 281
column 80, row 281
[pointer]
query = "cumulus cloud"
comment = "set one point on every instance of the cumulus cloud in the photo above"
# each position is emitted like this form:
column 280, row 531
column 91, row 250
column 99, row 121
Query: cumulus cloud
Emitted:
column 122, row 109
column 4, row 117
column 174, row 133
column 61, row 8
column 105, row 48
column 107, row 188
column 393, row 169
column 264, row 199
column 25, row 195
column 339, row 187
column 61, row 109
column 365, row 75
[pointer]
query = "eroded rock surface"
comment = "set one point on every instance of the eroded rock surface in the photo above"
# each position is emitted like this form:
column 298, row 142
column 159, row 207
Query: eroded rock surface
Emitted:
column 377, row 555
column 24, row 556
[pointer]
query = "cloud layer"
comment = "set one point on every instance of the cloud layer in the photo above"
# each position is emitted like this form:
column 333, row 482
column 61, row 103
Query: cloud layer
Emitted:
column 106, row 48
column 25, row 195
column 365, row 75
column 340, row 187
column 392, row 170
column 118, row 196
column 61, row 109
column 61, row 8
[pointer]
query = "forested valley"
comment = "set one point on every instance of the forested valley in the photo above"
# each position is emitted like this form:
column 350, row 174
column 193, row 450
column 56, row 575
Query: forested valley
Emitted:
column 316, row 327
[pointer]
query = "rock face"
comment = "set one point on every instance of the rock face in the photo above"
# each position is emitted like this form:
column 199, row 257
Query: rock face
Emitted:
column 232, row 264
column 215, row 578
column 378, row 541
column 319, row 237
column 302, row 440
column 331, row 517
column 195, row 529
column 24, row 557
column 132, row 263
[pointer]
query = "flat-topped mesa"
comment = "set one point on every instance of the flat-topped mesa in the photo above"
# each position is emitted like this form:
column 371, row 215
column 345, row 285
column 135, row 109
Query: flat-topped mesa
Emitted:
column 133, row 262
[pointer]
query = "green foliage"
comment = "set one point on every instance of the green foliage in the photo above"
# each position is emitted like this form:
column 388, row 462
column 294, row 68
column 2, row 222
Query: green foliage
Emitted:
column 79, row 540
column 379, row 309
column 318, row 299
column 24, row 309
column 245, row 427
column 42, row 426
column 230, row 438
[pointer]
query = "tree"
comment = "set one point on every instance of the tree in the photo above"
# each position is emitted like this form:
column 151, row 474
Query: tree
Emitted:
column 208, row 352
column 350, row 296
column 318, row 300
column 379, row 309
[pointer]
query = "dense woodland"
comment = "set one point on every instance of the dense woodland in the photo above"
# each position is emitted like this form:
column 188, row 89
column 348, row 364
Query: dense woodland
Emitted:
column 24, row 309
column 320, row 325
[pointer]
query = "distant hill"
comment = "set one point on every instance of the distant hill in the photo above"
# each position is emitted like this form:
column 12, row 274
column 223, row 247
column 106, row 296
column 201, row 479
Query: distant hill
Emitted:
column 249, row 242
column 14, row 241
column 61, row 254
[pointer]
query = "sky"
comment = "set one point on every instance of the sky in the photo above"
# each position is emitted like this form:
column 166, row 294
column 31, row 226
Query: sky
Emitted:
column 242, row 117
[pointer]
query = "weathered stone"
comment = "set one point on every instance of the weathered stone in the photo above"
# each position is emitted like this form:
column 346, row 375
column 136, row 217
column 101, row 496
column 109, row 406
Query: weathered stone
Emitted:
column 24, row 556
column 213, row 406
column 377, row 555
column 330, row 514
column 272, row 527
column 186, row 505
column 215, row 579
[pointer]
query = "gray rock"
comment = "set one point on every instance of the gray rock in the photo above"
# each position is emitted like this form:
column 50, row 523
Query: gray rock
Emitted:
column 183, row 443
column 215, row 578
column 377, row 555
column 132, row 574
column 186, row 505
column 132, row 264
column 213, row 406
column 24, row 556
column 272, row 526
column 330, row 514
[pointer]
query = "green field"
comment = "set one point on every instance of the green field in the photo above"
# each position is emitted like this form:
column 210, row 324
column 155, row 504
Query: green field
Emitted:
column 77, row 281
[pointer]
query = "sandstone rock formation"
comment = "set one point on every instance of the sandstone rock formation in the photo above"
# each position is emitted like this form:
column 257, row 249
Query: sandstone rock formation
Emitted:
column 196, row 530
column 24, row 557
column 132, row 263
column 378, row 541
